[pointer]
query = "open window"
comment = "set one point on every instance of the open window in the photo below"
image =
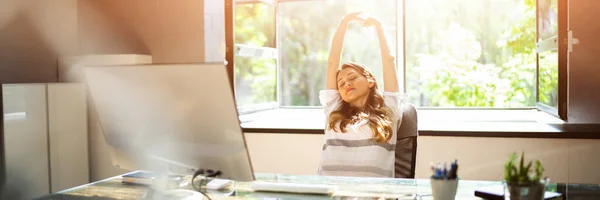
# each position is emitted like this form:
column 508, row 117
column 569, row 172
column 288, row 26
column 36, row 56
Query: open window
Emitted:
column 280, row 47
column 255, row 55
column 551, row 55
column 451, row 54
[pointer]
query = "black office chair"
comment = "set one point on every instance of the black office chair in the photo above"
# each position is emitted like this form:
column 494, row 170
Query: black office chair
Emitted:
column 406, row 143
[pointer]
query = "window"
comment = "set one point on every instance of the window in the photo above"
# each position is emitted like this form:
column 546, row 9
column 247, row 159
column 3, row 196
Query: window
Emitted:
column 255, row 71
column 450, row 53
column 551, row 52
column 470, row 53
column 299, row 48
column 305, row 40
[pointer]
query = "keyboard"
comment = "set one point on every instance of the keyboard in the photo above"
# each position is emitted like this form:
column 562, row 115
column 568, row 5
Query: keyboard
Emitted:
column 292, row 188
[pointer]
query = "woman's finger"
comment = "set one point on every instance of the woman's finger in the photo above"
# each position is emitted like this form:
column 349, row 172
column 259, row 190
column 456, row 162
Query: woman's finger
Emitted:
column 354, row 15
column 363, row 16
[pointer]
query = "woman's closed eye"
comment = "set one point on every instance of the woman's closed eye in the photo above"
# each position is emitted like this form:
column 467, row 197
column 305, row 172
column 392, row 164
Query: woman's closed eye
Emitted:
column 352, row 78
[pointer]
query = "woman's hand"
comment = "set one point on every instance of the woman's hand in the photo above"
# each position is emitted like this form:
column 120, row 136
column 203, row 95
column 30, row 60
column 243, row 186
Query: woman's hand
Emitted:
column 369, row 21
column 351, row 16
column 362, row 18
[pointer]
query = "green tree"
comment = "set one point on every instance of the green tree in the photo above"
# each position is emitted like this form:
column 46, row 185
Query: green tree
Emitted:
column 456, row 78
column 459, row 53
column 520, row 39
column 462, row 69
column 255, row 78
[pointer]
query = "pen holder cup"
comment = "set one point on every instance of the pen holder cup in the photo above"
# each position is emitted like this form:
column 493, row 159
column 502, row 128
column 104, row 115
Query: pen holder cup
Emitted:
column 444, row 189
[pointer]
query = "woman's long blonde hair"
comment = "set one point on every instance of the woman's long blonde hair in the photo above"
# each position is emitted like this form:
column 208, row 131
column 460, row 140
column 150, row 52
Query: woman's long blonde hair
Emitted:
column 377, row 113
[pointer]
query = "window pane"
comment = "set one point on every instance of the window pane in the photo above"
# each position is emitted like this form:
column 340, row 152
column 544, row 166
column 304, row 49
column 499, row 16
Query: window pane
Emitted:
column 471, row 53
column 548, row 60
column 306, row 30
column 547, row 18
column 548, row 78
column 255, row 77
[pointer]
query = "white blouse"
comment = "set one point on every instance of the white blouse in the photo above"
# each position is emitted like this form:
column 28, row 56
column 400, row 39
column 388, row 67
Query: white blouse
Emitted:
column 355, row 153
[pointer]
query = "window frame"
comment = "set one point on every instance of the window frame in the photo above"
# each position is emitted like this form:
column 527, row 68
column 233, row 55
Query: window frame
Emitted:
column 557, row 42
column 400, row 60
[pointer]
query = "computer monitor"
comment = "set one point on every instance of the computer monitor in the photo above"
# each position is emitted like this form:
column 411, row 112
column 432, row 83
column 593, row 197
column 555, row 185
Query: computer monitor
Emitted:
column 170, row 118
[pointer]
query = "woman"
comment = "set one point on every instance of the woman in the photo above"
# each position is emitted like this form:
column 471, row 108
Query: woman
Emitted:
column 360, row 134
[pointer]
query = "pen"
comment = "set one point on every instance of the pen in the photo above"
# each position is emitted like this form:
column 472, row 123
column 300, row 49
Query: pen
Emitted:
column 438, row 171
column 445, row 172
column 453, row 169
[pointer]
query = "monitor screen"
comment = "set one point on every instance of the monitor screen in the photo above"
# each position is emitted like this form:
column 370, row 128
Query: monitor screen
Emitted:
column 170, row 118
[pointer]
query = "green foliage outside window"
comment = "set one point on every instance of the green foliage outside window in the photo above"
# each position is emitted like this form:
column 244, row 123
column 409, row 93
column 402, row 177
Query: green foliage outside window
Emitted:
column 456, row 55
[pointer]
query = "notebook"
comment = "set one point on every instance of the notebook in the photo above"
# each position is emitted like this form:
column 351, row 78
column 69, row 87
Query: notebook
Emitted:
column 141, row 178
column 148, row 178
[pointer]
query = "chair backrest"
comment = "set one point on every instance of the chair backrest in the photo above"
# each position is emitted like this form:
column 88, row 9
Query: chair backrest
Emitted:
column 406, row 143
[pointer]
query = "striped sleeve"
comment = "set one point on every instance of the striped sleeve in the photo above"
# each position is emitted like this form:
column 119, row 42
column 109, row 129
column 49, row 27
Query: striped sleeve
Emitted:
column 330, row 100
column 395, row 101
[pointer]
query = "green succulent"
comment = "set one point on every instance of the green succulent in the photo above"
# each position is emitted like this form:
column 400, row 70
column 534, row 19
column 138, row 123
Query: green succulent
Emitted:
column 522, row 174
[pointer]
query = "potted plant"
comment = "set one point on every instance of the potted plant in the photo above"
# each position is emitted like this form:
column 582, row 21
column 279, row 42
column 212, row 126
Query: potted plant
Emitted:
column 523, row 183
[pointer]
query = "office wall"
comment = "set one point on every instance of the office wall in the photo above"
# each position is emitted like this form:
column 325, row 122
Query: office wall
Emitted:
column 565, row 160
column 33, row 34
column 103, row 30
column 584, row 74
column 170, row 31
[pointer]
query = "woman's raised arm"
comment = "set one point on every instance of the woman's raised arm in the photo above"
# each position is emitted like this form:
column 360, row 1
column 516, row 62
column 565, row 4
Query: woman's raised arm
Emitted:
column 335, row 53
column 390, row 79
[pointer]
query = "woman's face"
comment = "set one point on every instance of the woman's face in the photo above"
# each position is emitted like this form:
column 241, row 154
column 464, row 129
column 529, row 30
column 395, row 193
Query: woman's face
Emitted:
column 353, row 85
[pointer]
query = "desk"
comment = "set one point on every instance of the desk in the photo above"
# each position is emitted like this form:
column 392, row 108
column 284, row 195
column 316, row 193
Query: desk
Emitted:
column 370, row 188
